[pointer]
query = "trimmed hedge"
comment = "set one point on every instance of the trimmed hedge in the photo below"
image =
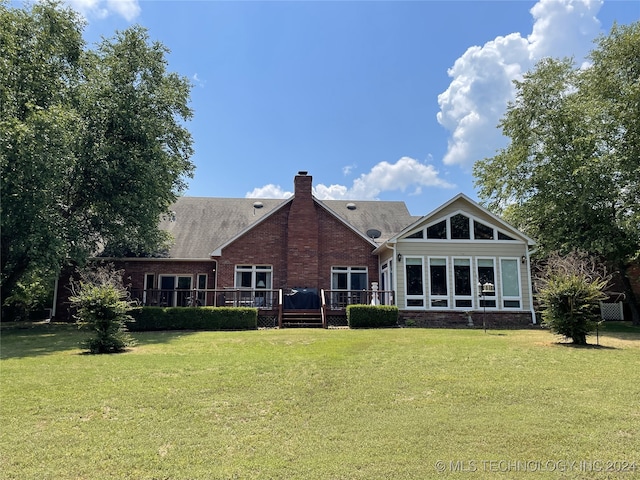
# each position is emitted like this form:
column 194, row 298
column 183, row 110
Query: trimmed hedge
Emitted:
column 372, row 316
column 201, row 318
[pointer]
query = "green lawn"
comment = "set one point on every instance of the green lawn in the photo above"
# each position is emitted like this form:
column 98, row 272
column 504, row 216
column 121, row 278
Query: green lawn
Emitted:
column 320, row 404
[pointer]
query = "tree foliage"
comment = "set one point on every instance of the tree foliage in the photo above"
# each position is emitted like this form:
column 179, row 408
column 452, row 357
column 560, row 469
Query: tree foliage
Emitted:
column 570, row 288
column 103, row 308
column 570, row 177
column 93, row 147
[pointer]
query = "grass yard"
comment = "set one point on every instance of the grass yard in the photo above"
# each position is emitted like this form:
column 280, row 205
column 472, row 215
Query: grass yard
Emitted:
column 320, row 404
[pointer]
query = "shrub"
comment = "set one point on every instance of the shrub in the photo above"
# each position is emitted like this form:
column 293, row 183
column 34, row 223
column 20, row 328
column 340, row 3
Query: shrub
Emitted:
column 201, row 318
column 103, row 308
column 28, row 300
column 372, row 316
column 569, row 291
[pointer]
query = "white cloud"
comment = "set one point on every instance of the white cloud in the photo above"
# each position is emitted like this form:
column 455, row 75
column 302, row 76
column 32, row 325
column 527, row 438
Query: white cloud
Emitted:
column 129, row 9
column 476, row 98
column 198, row 81
column 268, row 191
column 406, row 174
column 347, row 170
column 564, row 28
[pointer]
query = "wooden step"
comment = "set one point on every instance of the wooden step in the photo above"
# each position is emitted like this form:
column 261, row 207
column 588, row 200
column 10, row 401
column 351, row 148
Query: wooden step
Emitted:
column 301, row 318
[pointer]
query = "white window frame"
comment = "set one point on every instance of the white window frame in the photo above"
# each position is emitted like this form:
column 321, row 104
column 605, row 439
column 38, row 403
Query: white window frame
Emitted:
column 447, row 296
column 254, row 270
column 456, row 297
column 408, row 297
column 349, row 271
column 347, row 296
column 145, row 293
column 496, row 283
column 201, row 293
column 386, row 283
column 506, row 298
column 182, row 292
column 472, row 238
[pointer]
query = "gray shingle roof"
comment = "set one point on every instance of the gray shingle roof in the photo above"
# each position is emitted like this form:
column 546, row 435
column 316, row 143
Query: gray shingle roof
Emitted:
column 201, row 224
column 387, row 217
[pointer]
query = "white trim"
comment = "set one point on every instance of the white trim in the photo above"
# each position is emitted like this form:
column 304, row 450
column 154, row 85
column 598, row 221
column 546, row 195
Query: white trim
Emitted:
column 199, row 291
column 495, row 218
column 495, row 296
column 503, row 297
column 349, row 270
column 176, row 277
column 145, row 288
column 472, row 219
column 455, row 297
column 408, row 297
column 254, row 270
column 431, row 297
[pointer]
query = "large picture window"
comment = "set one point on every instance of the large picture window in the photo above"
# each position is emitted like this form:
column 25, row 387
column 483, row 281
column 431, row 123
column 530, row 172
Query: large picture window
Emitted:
column 348, row 284
column 462, row 283
column 349, row 278
column 486, row 274
column 510, row 275
column 254, row 276
column 175, row 290
column 438, row 290
column 414, row 282
column 460, row 227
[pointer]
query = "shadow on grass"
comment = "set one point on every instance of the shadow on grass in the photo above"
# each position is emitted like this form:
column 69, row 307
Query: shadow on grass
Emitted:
column 33, row 339
column 588, row 346
column 619, row 330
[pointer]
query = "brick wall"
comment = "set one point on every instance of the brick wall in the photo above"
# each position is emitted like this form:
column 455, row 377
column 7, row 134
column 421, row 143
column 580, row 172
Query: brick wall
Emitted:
column 341, row 246
column 134, row 273
column 265, row 244
column 499, row 320
column 303, row 237
column 301, row 241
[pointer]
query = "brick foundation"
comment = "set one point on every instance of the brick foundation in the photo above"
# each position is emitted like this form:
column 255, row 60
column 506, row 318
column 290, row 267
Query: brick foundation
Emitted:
column 500, row 320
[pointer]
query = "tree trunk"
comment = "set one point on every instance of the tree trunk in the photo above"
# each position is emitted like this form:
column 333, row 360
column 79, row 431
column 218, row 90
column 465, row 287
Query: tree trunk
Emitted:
column 630, row 294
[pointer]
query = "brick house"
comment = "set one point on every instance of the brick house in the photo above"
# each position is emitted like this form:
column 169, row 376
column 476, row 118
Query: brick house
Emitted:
column 304, row 260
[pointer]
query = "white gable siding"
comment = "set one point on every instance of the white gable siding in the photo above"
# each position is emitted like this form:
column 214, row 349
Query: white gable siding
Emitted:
column 489, row 254
column 463, row 249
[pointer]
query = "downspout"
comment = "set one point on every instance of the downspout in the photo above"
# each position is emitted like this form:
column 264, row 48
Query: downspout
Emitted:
column 528, row 257
column 55, row 298
column 394, row 274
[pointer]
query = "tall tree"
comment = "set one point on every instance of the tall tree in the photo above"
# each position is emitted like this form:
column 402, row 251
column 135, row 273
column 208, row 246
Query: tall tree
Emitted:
column 93, row 147
column 570, row 176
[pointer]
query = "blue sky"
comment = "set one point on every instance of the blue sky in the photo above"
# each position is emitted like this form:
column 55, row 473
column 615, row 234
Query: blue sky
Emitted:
column 376, row 99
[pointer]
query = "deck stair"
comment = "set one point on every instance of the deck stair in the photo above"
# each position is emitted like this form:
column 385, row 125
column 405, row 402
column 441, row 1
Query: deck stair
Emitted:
column 302, row 318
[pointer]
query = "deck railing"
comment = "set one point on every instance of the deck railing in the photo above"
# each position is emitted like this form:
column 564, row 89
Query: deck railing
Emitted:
column 340, row 299
column 228, row 297
column 259, row 298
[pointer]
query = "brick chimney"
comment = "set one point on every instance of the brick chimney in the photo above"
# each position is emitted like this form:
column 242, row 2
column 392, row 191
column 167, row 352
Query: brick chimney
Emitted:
column 302, row 236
